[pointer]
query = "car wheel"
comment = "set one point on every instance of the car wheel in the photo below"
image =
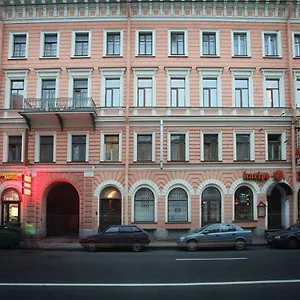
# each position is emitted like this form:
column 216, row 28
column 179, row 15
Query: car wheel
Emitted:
column 137, row 246
column 91, row 247
column 240, row 244
column 292, row 243
column 192, row 245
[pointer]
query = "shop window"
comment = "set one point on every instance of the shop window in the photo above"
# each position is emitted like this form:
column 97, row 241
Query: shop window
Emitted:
column 243, row 204
column 178, row 206
column 144, row 206
column 10, row 207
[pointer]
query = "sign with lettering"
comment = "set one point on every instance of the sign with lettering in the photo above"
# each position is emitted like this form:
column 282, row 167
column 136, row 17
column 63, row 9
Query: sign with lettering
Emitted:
column 10, row 176
column 260, row 176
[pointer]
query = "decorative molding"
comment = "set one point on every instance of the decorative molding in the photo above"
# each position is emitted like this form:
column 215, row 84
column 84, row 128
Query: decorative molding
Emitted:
column 10, row 184
column 266, row 186
column 177, row 183
column 144, row 183
column 107, row 183
column 212, row 182
column 240, row 182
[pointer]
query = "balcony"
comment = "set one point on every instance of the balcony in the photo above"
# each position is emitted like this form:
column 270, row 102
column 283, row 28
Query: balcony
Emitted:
column 39, row 111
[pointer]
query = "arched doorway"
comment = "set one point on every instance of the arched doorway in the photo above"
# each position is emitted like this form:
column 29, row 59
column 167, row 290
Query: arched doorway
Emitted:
column 278, row 210
column 62, row 210
column 210, row 206
column 10, row 206
column 110, row 207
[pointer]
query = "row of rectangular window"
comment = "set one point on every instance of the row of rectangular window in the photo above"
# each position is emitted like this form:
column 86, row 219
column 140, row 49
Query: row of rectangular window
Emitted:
column 211, row 147
column 145, row 90
column 145, row 45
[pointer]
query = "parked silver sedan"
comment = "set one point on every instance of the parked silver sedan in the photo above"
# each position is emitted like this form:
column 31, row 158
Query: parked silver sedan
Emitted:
column 216, row 235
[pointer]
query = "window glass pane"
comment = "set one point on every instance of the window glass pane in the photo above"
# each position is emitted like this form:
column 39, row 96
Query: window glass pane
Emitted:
column 210, row 147
column 274, row 146
column 46, row 148
column 111, row 147
column 78, row 147
column 297, row 45
column 144, row 147
column 177, row 206
column 243, row 146
column 14, row 148
column 17, row 94
column 177, row 147
column 112, row 229
column 144, row 205
column 243, row 204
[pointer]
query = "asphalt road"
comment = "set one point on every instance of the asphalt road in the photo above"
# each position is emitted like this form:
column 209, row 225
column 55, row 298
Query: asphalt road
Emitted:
column 257, row 273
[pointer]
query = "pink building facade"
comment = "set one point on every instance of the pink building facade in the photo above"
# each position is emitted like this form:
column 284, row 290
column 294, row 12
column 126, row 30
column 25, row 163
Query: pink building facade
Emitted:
column 169, row 115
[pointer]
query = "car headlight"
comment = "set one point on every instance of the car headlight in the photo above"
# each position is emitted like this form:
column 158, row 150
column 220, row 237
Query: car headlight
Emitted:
column 278, row 237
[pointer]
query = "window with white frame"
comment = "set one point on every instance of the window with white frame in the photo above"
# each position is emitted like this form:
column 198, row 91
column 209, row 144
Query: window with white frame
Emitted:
column 144, row 146
column 78, row 147
column 112, row 87
column 271, row 44
column 178, row 145
column 18, row 46
column 112, row 92
column 16, row 88
column 177, row 205
column 49, row 44
column 13, row 147
column 297, row 83
column 45, row 147
column 276, row 146
column 177, row 92
column 113, row 43
column 242, row 87
column 211, row 146
column 145, row 87
column 144, row 205
column 296, row 44
column 209, row 43
column 178, row 87
column 178, row 42
column 244, row 147
column 111, row 147
column 81, row 43
column 16, row 94
column 210, row 87
column 240, row 43
column 47, row 88
column 80, row 87
column 145, row 42
column 273, row 88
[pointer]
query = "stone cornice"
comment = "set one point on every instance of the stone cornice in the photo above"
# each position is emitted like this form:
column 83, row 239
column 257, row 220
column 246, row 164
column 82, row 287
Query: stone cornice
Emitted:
column 101, row 10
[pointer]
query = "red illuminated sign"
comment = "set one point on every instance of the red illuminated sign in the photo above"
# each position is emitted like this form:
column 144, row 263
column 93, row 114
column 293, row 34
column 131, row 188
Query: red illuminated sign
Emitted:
column 256, row 176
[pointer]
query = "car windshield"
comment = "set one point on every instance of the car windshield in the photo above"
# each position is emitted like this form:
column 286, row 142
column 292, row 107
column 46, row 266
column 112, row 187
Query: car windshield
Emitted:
column 294, row 227
column 200, row 229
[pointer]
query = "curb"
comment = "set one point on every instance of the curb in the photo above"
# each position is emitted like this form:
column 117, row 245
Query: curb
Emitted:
column 150, row 248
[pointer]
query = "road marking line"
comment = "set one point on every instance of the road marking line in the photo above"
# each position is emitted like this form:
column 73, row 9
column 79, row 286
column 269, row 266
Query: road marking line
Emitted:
column 208, row 259
column 255, row 282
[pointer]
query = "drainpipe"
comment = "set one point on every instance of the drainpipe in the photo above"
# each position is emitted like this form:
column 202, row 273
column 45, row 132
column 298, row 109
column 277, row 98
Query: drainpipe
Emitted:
column 161, row 144
column 292, row 101
column 128, row 53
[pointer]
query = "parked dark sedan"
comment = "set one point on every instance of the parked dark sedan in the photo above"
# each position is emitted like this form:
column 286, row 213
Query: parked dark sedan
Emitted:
column 10, row 237
column 289, row 237
column 216, row 235
column 117, row 236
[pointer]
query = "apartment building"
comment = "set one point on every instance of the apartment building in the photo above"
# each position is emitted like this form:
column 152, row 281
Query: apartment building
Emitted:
column 166, row 114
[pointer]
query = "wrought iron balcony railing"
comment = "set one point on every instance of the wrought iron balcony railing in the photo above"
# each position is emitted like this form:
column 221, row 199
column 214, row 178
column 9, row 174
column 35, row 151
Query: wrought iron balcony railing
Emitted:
column 58, row 104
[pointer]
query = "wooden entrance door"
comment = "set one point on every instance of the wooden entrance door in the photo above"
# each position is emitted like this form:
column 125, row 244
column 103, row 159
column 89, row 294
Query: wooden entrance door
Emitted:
column 110, row 212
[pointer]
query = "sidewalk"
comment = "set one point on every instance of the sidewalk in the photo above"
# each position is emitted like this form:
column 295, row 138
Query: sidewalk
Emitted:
column 66, row 244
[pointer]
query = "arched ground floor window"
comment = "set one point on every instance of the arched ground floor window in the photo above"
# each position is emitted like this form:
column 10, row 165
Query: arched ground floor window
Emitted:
column 211, row 206
column 178, row 205
column 10, row 206
column 144, row 205
column 243, row 204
